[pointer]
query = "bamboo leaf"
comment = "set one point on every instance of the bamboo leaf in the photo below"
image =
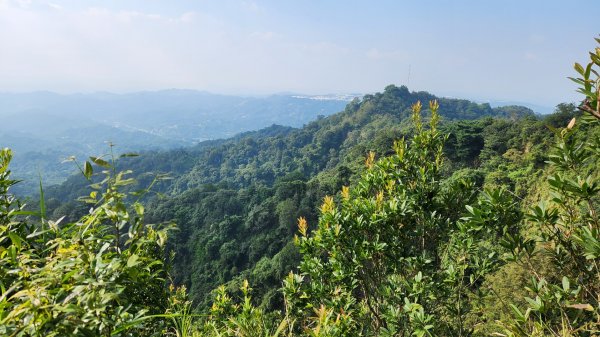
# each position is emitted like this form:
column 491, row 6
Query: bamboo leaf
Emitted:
column 100, row 162
column 88, row 170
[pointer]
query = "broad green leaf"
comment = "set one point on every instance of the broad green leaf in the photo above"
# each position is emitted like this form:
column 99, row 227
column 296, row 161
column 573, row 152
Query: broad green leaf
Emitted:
column 132, row 260
column 15, row 239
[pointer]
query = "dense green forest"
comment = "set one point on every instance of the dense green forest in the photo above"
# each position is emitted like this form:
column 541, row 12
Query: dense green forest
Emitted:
column 405, row 214
column 236, row 202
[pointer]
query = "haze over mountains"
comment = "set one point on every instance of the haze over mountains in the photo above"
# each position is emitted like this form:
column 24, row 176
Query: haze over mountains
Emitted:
column 44, row 128
column 180, row 115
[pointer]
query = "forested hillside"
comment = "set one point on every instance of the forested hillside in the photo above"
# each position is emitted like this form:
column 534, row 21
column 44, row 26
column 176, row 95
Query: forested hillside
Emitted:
column 391, row 218
column 240, row 225
column 268, row 154
column 236, row 201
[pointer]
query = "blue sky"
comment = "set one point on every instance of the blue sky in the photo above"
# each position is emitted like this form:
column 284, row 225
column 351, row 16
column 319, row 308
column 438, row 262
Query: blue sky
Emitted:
column 486, row 50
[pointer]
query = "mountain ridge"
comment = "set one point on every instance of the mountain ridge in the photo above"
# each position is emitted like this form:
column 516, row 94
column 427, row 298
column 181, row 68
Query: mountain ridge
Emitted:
column 236, row 200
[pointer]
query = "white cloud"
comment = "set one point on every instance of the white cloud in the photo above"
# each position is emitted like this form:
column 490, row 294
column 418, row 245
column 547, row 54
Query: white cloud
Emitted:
column 246, row 48
column 54, row 6
column 97, row 49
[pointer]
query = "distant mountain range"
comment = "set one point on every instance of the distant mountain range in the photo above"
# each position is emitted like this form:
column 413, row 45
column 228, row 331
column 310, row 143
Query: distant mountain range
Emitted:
column 44, row 128
column 184, row 115
column 538, row 109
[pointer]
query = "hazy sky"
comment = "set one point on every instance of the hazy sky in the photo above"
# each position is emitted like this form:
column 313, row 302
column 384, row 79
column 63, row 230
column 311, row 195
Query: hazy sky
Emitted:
column 501, row 50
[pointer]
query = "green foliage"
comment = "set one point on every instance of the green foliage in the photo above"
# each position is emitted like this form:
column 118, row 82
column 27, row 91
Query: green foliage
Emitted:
column 418, row 245
column 236, row 202
column 225, row 234
column 391, row 258
column 95, row 277
column 567, row 230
